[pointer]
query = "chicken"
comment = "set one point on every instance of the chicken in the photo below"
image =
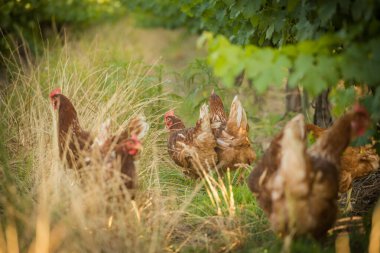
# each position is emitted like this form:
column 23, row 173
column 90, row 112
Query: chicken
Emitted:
column 233, row 144
column 72, row 139
column 119, row 151
column 298, row 187
column 193, row 148
column 281, row 181
column 121, row 157
column 355, row 162
column 258, row 180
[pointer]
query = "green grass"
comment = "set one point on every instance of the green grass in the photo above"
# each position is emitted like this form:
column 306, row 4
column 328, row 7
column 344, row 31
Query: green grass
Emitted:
column 113, row 71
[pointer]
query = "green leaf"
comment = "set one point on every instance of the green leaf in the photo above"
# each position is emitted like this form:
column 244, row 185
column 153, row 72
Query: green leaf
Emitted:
column 292, row 4
column 327, row 11
column 302, row 65
column 269, row 31
column 341, row 99
column 326, row 67
column 250, row 8
column 255, row 20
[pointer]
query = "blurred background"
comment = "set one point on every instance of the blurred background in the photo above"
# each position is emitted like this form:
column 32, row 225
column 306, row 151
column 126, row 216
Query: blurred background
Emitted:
column 281, row 57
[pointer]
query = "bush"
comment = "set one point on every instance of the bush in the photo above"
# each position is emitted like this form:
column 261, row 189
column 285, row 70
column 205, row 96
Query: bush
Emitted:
column 30, row 20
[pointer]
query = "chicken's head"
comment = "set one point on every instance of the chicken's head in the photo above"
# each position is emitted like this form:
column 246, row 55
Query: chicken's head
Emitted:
column 54, row 98
column 172, row 122
column 132, row 146
column 168, row 118
column 360, row 120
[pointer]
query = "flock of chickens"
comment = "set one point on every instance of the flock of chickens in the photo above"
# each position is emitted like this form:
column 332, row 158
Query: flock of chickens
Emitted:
column 297, row 186
column 215, row 143
column 77, row 146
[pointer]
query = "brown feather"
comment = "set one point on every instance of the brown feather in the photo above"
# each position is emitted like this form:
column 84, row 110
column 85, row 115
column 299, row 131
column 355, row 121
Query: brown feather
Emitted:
column 263, row 172
column 71, row 137
column 115, row 152
column 355, row 161
column 193, row 148
column 234, row 147
column 217, row 113
column 298, row 188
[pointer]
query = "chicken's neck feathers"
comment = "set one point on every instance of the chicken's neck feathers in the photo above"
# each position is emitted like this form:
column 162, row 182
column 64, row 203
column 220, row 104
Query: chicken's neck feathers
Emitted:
column 177, row 125
column 334, row 141
column 237, row 120
column 68, row 118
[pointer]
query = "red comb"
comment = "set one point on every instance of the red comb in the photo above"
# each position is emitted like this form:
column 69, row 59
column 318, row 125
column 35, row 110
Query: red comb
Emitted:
column 169, row 113
column 55, row 92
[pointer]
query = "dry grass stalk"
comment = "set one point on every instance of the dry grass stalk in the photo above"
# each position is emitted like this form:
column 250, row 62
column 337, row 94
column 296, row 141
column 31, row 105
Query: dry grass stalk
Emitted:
column 73, row 211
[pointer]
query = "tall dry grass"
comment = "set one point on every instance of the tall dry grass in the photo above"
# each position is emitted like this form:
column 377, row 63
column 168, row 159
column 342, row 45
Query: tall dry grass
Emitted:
column 46, row 207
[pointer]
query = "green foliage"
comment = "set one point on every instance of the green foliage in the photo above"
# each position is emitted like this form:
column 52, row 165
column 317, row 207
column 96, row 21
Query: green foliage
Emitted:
column 163, row 13
column 263, row 22
column 324, row 44
column 194, row 87
column 308, row 63
column 309, row 43
column 341, row 99
column 312, row 44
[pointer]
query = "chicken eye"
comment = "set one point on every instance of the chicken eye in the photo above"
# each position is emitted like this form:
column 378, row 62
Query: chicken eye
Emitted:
column 168, row 122
column 54, row 102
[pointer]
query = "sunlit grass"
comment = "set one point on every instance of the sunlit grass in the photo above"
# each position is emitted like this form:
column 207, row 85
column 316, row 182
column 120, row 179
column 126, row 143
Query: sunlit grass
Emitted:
column 46, row 207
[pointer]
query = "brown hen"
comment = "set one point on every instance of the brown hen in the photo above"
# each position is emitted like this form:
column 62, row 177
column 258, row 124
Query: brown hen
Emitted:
column 355, row 162
column 119, row 151
column 233, row 144
column 193, row 148
column 72, row 139
column 298, row 188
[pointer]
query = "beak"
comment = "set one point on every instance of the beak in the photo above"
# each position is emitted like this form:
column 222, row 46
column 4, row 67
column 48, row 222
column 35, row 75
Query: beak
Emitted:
column 52, row 104
column 166, row 124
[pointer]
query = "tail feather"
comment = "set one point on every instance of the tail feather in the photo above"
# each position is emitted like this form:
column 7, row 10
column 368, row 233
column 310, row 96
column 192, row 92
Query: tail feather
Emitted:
column 138, row 126
column 217, row 114
column 204, row 117
column 238, row 117
column 103, row 133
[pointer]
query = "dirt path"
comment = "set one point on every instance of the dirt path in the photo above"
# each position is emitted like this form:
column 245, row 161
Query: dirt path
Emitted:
column 172, row 48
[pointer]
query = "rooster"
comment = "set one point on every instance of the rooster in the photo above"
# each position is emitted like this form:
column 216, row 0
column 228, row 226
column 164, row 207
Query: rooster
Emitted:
column 298, row 187
column 120, row 151
column 355, row 162
column 233, row 144
column 72, row 139
column 193, row 148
